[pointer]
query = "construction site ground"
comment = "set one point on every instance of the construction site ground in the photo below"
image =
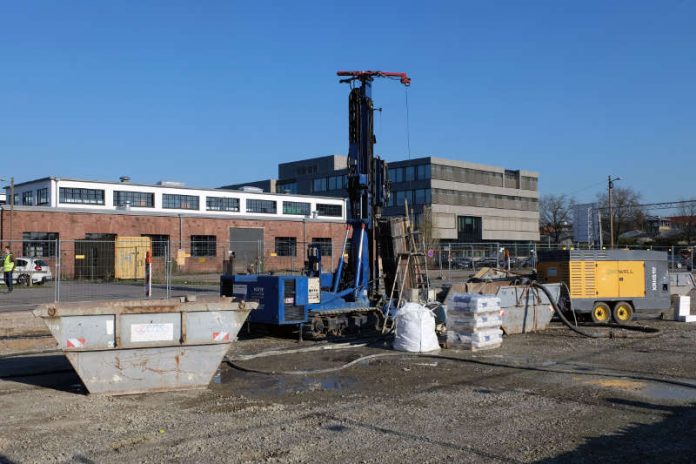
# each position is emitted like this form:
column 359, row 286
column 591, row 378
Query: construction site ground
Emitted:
column 551, row 396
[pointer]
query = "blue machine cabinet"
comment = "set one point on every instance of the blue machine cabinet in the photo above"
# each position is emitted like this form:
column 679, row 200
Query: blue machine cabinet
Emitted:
column 282, row 300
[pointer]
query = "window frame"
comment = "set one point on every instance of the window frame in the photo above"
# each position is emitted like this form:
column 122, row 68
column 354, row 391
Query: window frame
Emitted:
column 203, row 246
column 168, row 204
column 286, row 246
column 80, row 196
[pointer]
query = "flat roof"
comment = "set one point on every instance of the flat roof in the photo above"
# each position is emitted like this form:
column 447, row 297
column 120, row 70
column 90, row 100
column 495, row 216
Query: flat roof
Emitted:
column 181, row 187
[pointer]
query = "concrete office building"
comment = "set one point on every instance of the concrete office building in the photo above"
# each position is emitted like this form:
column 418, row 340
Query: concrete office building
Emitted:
column 467, row 202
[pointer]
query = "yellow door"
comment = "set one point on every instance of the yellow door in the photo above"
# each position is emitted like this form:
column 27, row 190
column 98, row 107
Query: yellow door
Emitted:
column 130, row 257
column 607, row 280
column 631, row 276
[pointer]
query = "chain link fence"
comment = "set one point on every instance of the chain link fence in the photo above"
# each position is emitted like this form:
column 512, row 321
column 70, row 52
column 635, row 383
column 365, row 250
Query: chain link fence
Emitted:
column 94, row 269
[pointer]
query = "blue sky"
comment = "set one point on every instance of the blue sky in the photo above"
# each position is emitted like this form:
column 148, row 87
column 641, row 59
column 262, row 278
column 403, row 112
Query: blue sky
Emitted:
column 218, row 92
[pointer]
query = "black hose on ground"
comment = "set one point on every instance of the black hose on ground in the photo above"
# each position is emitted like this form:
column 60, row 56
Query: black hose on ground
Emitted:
column 649, row 332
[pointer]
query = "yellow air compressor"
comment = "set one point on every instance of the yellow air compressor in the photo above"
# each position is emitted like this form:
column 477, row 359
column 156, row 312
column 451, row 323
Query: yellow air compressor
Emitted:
column 610, row 283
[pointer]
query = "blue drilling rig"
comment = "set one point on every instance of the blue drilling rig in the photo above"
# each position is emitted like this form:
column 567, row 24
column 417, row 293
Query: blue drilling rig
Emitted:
column 351, row 297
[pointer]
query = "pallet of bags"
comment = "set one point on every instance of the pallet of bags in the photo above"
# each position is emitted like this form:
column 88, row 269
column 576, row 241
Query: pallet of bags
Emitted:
column 474, row 322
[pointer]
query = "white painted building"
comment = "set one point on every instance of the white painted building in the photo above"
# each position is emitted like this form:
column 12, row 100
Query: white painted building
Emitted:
column 173, row 198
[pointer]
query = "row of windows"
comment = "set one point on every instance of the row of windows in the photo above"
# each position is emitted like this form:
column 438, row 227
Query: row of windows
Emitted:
column 188, row 202
column 138, row 199
column 81, row 196
column 414, row 197
column 402, row 174
column 287, row 246
column 324, row 184
column 484, row 200
column 511, row 179
column 43, row 244
column 409, row 173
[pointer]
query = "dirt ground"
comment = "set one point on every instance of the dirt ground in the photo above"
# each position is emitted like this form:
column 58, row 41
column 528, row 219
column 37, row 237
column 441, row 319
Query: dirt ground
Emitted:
column 546, row 397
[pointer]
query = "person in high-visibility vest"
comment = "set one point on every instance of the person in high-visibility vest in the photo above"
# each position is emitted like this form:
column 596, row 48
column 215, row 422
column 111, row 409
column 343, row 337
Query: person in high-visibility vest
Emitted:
column 8, row 264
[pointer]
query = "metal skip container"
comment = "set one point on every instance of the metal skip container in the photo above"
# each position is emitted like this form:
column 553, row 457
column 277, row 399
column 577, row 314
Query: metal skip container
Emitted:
column 524, row 308
column 138, row 346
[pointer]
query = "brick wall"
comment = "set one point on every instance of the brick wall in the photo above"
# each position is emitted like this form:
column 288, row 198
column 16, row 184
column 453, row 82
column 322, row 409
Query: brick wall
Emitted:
column 75, row 225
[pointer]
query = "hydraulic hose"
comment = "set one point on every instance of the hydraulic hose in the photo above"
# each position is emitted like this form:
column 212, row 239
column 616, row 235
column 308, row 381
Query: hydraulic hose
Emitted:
column 649, row 332
column 680, row 382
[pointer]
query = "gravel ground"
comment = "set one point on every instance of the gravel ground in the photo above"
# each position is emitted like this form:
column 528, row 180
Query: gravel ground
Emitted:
column 546, row 397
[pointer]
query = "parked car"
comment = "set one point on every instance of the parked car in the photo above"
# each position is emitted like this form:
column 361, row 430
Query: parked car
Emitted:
column 25, row 268
column 462, row 262
column 488, row 262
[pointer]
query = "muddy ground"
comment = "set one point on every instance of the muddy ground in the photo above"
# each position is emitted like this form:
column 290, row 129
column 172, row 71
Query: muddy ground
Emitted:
column 545, row 397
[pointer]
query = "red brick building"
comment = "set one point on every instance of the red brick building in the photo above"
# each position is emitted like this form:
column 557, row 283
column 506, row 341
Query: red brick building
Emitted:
column 194, row 229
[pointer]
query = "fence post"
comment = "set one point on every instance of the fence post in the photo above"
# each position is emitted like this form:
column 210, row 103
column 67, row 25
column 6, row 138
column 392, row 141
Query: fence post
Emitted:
column 56, row 284
column 167, row 269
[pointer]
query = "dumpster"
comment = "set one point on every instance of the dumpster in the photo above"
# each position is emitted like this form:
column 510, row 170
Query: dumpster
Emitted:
column 125, row 347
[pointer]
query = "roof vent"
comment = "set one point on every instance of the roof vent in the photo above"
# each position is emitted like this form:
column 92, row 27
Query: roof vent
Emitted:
column 124, row 179
column 249, row 188
column 170, row 183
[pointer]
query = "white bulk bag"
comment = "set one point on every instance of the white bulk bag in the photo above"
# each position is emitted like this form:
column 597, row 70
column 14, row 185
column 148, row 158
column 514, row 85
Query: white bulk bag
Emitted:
column 415, row 329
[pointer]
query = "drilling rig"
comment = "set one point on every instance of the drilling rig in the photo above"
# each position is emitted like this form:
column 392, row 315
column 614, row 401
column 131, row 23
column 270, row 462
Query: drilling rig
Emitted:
column 355, row 295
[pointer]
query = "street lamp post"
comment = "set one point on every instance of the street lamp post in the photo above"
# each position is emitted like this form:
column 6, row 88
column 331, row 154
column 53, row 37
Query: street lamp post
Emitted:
column 611, row 210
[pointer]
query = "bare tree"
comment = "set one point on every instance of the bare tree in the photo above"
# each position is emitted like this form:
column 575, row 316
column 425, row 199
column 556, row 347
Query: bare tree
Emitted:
column 426, row 227
column 626, row 210
column 555, row 213
column 687, row 220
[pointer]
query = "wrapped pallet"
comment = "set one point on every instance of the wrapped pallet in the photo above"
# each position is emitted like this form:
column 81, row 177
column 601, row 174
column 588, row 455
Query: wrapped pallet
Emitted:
column 474, row 321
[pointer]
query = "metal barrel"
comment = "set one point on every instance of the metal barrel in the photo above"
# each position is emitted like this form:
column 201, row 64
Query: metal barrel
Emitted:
column 137, row 346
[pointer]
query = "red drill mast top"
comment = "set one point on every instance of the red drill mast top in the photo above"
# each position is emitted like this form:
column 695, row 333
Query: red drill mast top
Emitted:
column 365, row 75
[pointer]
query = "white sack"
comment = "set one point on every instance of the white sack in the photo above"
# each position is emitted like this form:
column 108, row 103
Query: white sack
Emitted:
column 415, row 329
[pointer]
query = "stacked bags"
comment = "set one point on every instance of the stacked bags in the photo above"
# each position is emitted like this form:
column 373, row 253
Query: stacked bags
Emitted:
column 473, row 322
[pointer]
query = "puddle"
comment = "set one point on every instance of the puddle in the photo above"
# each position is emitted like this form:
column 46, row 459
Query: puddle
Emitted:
column 663, row 391
column 648, row 389
column 257, row 386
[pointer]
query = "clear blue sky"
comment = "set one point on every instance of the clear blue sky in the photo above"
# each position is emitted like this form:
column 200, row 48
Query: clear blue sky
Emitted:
column 218, row 92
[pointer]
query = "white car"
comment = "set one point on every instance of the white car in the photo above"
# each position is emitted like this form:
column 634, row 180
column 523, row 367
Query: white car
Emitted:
column 35, row 268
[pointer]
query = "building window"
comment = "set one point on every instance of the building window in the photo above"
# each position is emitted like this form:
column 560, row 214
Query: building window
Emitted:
column 402, row 196
column 469, row 229
column 42, row 196
column 296, row 208
column 261, row 206
column 28, row 198
column 290, row 187
column 160, row 244
column 81, row 196
column 135, row 199
column 42, row 244
column 222, row 204
column 422, row 196
column 324, row 245
column 423, row 171
column 329, row 210
column 203, row 245
column 319, row 185
column 286, row 246
column 396, row 175
column 179, row 201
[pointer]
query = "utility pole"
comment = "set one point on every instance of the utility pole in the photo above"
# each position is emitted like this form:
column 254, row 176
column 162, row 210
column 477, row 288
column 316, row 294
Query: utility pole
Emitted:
column 611, row 210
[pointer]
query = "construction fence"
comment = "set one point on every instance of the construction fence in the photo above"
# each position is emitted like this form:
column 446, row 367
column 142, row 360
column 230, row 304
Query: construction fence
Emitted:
column 138, row 267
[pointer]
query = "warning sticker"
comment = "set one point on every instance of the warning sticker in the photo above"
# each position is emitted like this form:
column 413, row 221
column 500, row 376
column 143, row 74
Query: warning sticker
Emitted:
column 152, row 332
column 239, row 289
